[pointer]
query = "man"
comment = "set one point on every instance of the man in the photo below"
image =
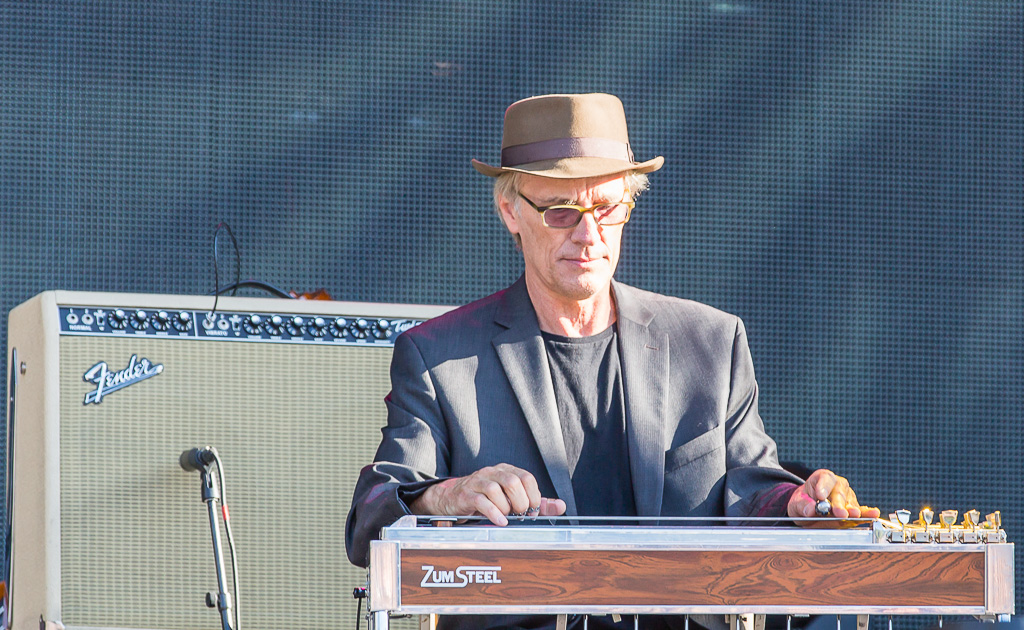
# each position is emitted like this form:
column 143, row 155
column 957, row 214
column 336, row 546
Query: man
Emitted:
column 570, row 393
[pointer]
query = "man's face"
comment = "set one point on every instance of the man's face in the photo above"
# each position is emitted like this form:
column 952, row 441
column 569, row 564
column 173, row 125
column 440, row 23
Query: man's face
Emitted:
column 567, row 263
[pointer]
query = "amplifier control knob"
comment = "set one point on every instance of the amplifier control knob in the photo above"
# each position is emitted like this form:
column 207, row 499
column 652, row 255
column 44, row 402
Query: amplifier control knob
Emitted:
column 161, row 320
column 253, row 324
column 295, row 326
column 360, row 329
column 139, row 320
column 317, row 327
column 118, row 319
column 182, row 321
column 338, row 327
column 382, row 329
column 274, row 325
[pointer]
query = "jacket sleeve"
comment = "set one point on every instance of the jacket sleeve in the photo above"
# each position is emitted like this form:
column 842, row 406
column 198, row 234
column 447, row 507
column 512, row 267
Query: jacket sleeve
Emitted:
column 413, row 453
column 755, row 484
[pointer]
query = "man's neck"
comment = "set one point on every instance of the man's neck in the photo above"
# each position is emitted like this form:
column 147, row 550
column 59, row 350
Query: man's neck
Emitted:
column 572, row 318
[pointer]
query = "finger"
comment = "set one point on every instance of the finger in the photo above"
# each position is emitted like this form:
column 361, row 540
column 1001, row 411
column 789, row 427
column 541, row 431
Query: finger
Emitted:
column 552, row 507
column 515, row 493
column 844, row 499
column 852, row 504
column 532, row 489
column 799, row 503
column 486, row 508
column 856, row 510
column 870, row 512
column 818, row 486
column 520, row 486
column 821, row 484
column 495, row 493
column 841, row 510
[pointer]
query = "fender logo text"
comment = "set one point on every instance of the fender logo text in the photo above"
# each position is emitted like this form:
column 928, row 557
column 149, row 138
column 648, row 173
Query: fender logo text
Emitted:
column 108, row 382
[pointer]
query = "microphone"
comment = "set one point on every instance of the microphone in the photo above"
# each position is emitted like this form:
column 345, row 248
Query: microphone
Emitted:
column 198, row 458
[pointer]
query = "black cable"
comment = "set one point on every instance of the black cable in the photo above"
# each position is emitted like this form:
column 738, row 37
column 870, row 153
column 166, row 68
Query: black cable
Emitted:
column 231, row 539
column 216, row 263
column 254, row 284
column 360, row 594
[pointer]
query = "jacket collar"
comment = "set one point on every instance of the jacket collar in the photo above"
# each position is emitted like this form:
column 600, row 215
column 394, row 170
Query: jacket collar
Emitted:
column 521, row 351
column 644, row 353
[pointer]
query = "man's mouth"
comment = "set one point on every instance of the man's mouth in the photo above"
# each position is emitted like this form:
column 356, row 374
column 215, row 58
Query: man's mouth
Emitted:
column 583, row 258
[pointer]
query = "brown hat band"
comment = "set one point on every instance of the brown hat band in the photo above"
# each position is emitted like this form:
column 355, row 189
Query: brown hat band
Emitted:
column 561, row 148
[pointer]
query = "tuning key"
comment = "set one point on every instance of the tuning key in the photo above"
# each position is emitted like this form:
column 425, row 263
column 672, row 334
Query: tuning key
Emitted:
column 970, row 527
column 924, row 520
column 925, row 517
column 898, row 535
column 948, row 518
column 993, row 528
column 900, row 519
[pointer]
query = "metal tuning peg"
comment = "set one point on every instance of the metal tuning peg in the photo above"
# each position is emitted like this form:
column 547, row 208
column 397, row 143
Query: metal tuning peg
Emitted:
column 948, row 518
column 899, row 519
column 903, row 516
column 924, row 520
column 970, row 526
column 896, row 534
column 925, row 517
column 993, row 528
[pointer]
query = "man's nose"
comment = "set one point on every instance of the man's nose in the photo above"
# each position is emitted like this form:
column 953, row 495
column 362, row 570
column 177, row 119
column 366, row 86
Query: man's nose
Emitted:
column 587, row 230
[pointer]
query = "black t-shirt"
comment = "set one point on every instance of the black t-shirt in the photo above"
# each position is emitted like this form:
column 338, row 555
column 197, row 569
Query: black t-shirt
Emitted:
column 587, row 379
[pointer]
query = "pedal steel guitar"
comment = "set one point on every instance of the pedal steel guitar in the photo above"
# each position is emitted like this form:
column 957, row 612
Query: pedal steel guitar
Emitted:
column 563, row 566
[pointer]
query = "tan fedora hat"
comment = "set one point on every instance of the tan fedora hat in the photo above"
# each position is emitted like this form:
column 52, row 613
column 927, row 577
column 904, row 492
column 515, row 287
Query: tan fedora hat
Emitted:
column 567, row 136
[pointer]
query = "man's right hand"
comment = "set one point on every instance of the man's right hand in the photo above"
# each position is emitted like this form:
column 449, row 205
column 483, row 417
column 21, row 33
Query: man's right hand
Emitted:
column 493, row 492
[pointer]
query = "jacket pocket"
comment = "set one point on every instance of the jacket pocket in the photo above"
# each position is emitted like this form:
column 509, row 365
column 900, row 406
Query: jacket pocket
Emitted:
column 691, row 451
column 695, row 476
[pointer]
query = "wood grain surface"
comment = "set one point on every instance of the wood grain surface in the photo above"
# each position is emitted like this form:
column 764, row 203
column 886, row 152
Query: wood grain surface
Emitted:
column 705, row 577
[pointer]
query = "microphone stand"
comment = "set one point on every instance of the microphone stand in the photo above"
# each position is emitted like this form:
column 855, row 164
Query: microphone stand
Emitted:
column 211, row 495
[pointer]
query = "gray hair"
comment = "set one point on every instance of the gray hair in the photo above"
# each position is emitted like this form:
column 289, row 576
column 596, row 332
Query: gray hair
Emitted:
column 506, row 187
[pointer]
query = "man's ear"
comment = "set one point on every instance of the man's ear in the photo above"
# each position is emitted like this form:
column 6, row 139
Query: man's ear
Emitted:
column 509, row 215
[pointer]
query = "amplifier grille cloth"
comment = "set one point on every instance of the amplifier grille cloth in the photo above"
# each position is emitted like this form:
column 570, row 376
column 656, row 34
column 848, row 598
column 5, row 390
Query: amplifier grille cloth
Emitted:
column 293, row 425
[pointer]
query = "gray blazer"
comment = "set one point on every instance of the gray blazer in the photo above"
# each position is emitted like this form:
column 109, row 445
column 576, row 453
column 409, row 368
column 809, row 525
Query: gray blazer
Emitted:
column 472, row 389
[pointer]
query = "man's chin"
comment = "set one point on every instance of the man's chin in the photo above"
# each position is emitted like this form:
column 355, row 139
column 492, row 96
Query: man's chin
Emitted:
column 586, row 285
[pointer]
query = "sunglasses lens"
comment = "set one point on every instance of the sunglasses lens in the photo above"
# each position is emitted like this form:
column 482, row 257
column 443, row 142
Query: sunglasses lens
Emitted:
column 561, row 216
column 611, row 213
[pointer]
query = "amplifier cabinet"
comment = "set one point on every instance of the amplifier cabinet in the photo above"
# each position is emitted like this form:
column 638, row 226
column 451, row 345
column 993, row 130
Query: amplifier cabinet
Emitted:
column 107, row 391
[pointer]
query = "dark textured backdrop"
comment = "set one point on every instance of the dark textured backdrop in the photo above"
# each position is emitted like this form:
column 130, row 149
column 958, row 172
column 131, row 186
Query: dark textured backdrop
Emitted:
column 846, row 176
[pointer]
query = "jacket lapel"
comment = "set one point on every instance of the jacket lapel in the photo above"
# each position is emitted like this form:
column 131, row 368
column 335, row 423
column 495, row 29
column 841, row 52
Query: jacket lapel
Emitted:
column 521, row 351
column 645, row 366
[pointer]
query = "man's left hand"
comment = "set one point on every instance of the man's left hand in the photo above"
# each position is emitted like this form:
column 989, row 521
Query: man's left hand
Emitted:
column 825, row 484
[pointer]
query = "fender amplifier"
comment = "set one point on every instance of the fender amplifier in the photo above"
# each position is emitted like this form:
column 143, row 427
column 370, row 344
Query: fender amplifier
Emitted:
column 108, row 390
